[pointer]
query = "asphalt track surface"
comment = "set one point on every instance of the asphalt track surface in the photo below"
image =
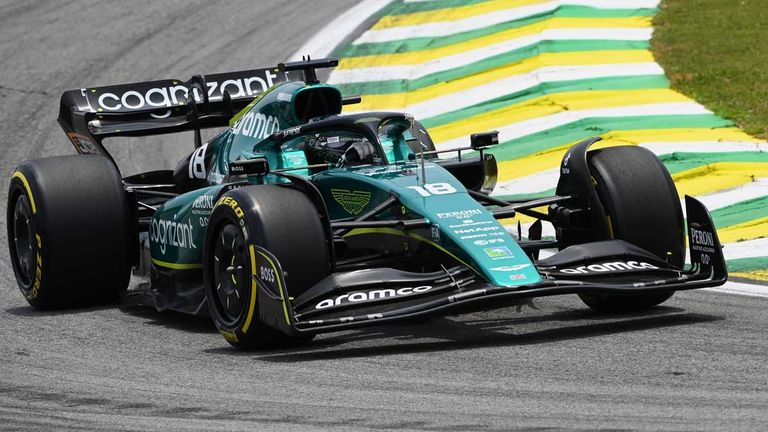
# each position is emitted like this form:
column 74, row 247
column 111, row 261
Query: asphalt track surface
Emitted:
column 700, row 362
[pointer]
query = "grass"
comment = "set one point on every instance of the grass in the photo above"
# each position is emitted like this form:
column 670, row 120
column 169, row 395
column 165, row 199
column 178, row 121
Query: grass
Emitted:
column 716, row 52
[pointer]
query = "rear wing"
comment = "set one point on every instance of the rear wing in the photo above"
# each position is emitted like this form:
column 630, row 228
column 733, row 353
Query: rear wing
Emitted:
column 91, row 114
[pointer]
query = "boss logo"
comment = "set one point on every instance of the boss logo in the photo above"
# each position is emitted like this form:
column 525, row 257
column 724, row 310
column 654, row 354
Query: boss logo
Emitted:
column 267, row 274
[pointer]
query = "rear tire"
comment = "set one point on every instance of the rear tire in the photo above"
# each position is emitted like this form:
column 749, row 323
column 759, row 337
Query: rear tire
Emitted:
column 643, row 208
column 286, row 223
column 69, row 231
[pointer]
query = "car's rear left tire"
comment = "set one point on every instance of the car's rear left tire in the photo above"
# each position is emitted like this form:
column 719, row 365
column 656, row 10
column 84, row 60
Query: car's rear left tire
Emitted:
column 643, row 208
column 69, row 231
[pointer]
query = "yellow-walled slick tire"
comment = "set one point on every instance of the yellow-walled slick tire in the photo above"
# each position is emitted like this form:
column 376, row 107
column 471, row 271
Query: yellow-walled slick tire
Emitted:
column 69, row 231
column 643, row 208
column 281, row 220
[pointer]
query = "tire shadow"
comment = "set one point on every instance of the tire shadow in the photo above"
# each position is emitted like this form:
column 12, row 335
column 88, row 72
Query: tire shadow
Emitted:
column 29, row 311
column 171, row 319
column 476, row 333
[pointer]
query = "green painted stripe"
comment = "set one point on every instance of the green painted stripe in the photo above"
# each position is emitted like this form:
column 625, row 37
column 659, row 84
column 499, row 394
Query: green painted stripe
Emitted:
column 589, row 12
column 548, row 88
column 677, row 162
column 747, row 264
column 741, row 212
column 425, row 43
column 582, row 129
column 501, row 60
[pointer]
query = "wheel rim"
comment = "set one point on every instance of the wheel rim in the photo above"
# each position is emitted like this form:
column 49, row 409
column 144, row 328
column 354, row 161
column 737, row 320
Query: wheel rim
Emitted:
column 23, row 240
column 230, row 274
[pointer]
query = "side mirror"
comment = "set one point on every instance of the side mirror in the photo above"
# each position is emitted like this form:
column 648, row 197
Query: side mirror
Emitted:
column 258, row 166
column 351, row 100
column 483, row 139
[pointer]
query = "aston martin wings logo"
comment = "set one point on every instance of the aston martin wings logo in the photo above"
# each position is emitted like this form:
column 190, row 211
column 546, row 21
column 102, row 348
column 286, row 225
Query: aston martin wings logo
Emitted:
column 352, row 201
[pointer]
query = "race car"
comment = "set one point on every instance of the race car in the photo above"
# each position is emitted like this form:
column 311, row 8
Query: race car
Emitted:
column 297, row 219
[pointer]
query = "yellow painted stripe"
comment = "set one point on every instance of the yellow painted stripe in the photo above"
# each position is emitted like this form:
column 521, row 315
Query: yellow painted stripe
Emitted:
column 24, row 181
column 176, row 266
column 581, row 58
column 553, row 104
column 761, row 275
column 252, row 303
column 511, row 223
column 550, row 158
column 450, row 14
column 680, row 135
column 418, row 57
column 283, row 297
column 744, row 231
column 715, row 177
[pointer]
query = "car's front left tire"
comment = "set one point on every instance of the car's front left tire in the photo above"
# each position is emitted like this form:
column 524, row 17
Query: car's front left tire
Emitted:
column 279, row 219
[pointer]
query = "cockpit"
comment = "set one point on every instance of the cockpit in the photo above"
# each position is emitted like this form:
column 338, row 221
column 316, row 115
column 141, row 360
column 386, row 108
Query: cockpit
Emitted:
column 334, row 142
column 393, row 141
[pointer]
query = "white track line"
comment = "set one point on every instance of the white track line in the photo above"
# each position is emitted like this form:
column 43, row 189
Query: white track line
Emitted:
column 739, row 288
column 705, row 147
column 550, row 74
column 540, row 124
column 445, row 28
column 324, row 42
column 725, row 198
column 601, row 4
column 414, row 71
column 747, row 249
column 533, row 183
column 547, row 179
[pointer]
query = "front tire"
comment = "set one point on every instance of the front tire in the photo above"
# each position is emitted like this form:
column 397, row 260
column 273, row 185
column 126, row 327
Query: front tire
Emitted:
column 69, row 231
column 643, row 208
column 279, row 219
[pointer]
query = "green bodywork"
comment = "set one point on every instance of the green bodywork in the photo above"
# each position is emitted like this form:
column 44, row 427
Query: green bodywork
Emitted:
column 460, row 226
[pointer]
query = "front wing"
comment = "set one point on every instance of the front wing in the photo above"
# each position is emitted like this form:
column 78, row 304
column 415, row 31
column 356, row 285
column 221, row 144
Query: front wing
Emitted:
column 380, row 296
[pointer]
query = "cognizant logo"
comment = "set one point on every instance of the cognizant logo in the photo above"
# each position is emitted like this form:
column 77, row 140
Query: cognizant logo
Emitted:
column 175, row 95
column 177, row 234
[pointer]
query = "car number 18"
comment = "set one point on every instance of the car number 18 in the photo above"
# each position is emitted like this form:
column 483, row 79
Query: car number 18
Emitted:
column 430, row 189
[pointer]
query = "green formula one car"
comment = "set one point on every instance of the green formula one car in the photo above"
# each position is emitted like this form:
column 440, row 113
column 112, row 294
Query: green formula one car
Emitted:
column 297, row 220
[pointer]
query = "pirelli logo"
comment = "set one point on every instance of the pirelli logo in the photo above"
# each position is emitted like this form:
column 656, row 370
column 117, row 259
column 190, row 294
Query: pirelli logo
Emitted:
column 353, row 202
